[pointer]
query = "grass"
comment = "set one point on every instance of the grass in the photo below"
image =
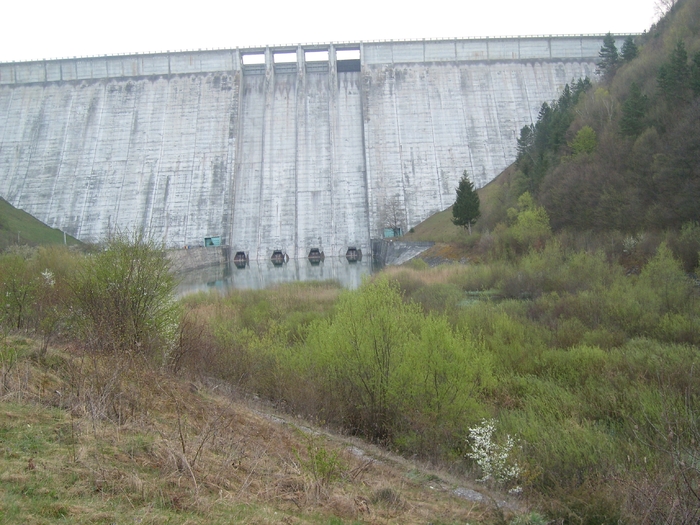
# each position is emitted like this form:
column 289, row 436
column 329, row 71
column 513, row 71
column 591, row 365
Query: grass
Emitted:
column 438, row 228
column 104, row 440
column 18, row 227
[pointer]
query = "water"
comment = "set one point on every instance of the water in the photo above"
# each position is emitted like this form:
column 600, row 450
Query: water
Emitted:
column 262, row 274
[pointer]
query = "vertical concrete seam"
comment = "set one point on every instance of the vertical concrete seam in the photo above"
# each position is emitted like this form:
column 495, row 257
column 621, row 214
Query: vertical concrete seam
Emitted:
column 126, row 161
column 268, row 84
column 237, row 155
column 160, row 152
column 299, row 93
column 433, row 144
column 465, row 120
column 61, row 156
column 6, row 114
column 333, row 90
column 194, row 158
column 233, row 162
column 402, row 178
column 364, row 95
column 32, row 148
column 94, row 154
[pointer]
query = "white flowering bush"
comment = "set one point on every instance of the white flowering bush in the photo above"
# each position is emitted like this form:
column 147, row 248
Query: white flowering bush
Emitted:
column 495, row 459
column 49, row 279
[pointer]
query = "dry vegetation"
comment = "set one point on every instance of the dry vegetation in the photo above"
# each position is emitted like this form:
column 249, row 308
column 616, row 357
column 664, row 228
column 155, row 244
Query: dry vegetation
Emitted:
column 87, row 439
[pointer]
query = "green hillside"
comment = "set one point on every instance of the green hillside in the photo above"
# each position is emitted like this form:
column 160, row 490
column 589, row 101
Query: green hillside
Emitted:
column 613, row 163
column 18, row 227
column 439, row 227
column 623, row 154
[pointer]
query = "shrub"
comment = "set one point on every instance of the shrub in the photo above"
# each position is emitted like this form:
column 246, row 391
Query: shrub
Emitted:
column 442, row 379
column 125, row 298
column 531, row 228
column 323, row 465
column 686, row 246
column 440, row 297
column 664, row 276
column 495, row 459
column 362, row 348
column 417, row 264
column 18, row 288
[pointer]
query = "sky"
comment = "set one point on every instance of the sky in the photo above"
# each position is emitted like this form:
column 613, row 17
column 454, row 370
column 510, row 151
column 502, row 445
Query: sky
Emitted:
column 43, row 29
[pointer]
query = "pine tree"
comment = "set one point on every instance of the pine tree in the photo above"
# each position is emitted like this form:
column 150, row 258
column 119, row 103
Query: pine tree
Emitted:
column 634, row 111
column 674, row 76
column 526, row 141
column 609, row 57
column 629, row 49
column 695, row 74
column 465, row 211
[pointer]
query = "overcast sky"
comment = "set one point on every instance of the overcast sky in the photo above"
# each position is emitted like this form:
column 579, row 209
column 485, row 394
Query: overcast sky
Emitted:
column 37, row 29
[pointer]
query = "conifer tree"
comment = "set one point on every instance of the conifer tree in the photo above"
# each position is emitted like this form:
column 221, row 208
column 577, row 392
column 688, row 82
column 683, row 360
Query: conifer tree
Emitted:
column 629, row 49
column 634, row 110
column 609, row 56
column 674, row 76
column 465, row 211
column 526, row 141
column 695, row 74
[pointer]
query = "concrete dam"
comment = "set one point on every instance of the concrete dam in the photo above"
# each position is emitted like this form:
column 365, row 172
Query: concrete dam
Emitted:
column 279, row 148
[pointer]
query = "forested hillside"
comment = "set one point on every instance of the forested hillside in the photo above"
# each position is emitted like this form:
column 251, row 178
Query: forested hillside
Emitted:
column 623, row 154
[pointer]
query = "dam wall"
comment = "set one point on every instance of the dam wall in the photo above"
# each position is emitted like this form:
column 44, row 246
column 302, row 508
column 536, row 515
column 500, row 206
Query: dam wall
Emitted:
column 283, row 148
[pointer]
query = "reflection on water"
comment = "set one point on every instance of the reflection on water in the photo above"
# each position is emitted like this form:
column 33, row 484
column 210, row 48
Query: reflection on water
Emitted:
column 261, row 274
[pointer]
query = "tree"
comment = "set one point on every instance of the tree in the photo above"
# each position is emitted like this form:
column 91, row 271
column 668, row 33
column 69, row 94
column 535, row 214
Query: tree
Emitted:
column 585, row 141
column 526, row 142
column 465, row 211
column 531, row 222
column 125, row 298
column 634, row 110
column 695, row 74
column 674, row 76
column 394, row 215
column 662, row 7
column 361, row 351
column 609, row 57
column 629, row 49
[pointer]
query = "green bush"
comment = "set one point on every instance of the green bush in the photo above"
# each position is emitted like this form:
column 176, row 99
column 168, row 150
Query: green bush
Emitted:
column 417, row 264
column 362, row 348
column 439, row 297
column 442, row 379
column 124, row 298
column 19, row 286
column 664, row 276
column 483, row 277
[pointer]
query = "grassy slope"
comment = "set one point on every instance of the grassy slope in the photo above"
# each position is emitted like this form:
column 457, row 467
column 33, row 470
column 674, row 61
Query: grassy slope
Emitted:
column 178, row 452
column 454, row 242
column 31, row 230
